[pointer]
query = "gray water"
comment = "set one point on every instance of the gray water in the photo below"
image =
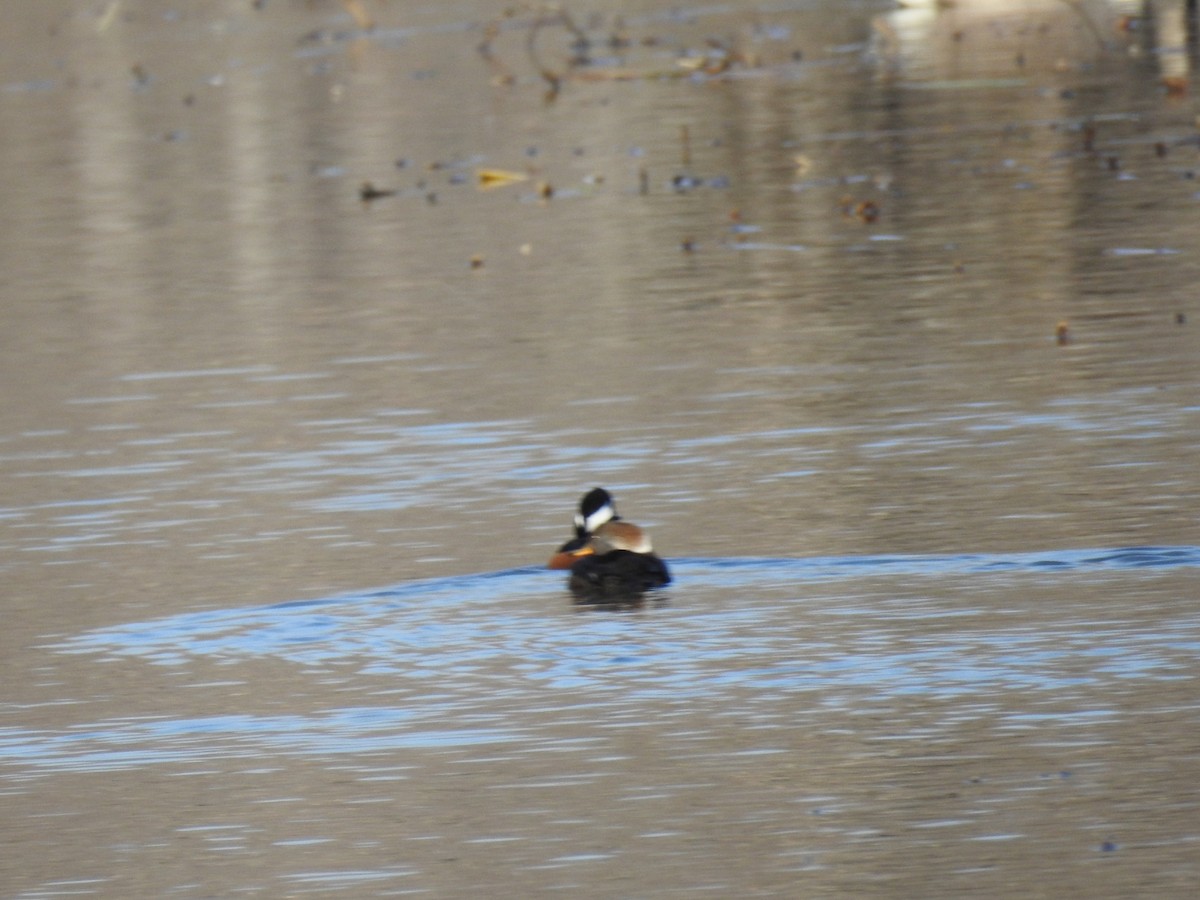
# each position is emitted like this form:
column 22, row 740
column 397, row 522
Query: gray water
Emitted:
column 281, row 466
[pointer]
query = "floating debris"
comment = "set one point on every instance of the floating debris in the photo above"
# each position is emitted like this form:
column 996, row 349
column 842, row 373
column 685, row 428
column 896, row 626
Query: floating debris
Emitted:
column 744, row 228
column 488, row 179
column 369, row 192
column 1089, row 138
column 866, row 211
column 684, row 183
column 1175, row 85
column 141, row 77
column 1062, row 333
column 1128, row 23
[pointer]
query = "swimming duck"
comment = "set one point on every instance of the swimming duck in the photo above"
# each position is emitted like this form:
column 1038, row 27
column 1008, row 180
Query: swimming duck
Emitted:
column 608, row 557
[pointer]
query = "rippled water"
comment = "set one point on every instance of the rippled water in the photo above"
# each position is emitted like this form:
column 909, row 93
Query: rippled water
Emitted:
column 777, row 627
column 282, row 465
column 821, row 709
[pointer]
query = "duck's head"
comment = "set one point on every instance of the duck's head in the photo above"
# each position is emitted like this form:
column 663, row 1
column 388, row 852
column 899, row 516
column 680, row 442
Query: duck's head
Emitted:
column 595, row 509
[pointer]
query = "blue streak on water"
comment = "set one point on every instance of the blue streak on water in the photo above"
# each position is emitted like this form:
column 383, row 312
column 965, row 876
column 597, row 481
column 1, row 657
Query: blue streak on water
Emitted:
column 498, row 607
column 454, row 662
column 120, row 744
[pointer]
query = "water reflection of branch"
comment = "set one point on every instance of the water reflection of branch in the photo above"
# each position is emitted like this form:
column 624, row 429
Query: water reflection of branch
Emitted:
column 717, row 59
column 544, row 15
column 555, row 15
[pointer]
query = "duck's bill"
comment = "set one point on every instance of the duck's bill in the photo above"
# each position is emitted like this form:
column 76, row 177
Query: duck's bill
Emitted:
column 564, row 559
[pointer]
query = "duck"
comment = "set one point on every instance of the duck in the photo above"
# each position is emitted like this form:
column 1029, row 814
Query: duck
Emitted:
column 609, row 558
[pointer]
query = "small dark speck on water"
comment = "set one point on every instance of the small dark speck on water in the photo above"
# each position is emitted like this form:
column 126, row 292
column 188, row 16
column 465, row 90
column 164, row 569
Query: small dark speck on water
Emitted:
column 369, row 192
column 1108, row 847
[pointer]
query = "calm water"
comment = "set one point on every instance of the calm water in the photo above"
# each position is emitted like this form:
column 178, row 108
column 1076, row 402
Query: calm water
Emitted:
column 280, row 465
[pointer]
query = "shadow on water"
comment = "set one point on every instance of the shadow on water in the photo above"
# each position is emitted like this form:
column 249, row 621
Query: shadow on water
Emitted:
column 468, row 660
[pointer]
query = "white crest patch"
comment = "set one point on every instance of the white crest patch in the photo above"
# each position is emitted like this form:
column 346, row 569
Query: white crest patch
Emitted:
column 598, row 518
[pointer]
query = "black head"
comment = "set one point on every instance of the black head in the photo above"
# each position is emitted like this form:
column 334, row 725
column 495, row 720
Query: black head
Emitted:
column 594, row 502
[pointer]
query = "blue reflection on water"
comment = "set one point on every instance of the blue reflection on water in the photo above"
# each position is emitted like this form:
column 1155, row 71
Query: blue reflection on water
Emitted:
column 458, row 661
column 489, row 614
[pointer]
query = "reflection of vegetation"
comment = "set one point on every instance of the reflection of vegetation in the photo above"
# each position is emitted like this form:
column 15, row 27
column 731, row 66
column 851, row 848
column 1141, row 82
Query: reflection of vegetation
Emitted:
column 579, row 63
column 545, row 15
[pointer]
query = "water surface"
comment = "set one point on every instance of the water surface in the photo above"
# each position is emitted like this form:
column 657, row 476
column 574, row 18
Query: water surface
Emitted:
column 281, row 465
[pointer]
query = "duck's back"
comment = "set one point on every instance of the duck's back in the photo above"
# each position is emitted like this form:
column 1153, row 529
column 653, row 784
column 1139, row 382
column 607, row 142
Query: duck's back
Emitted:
column 618, row 573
